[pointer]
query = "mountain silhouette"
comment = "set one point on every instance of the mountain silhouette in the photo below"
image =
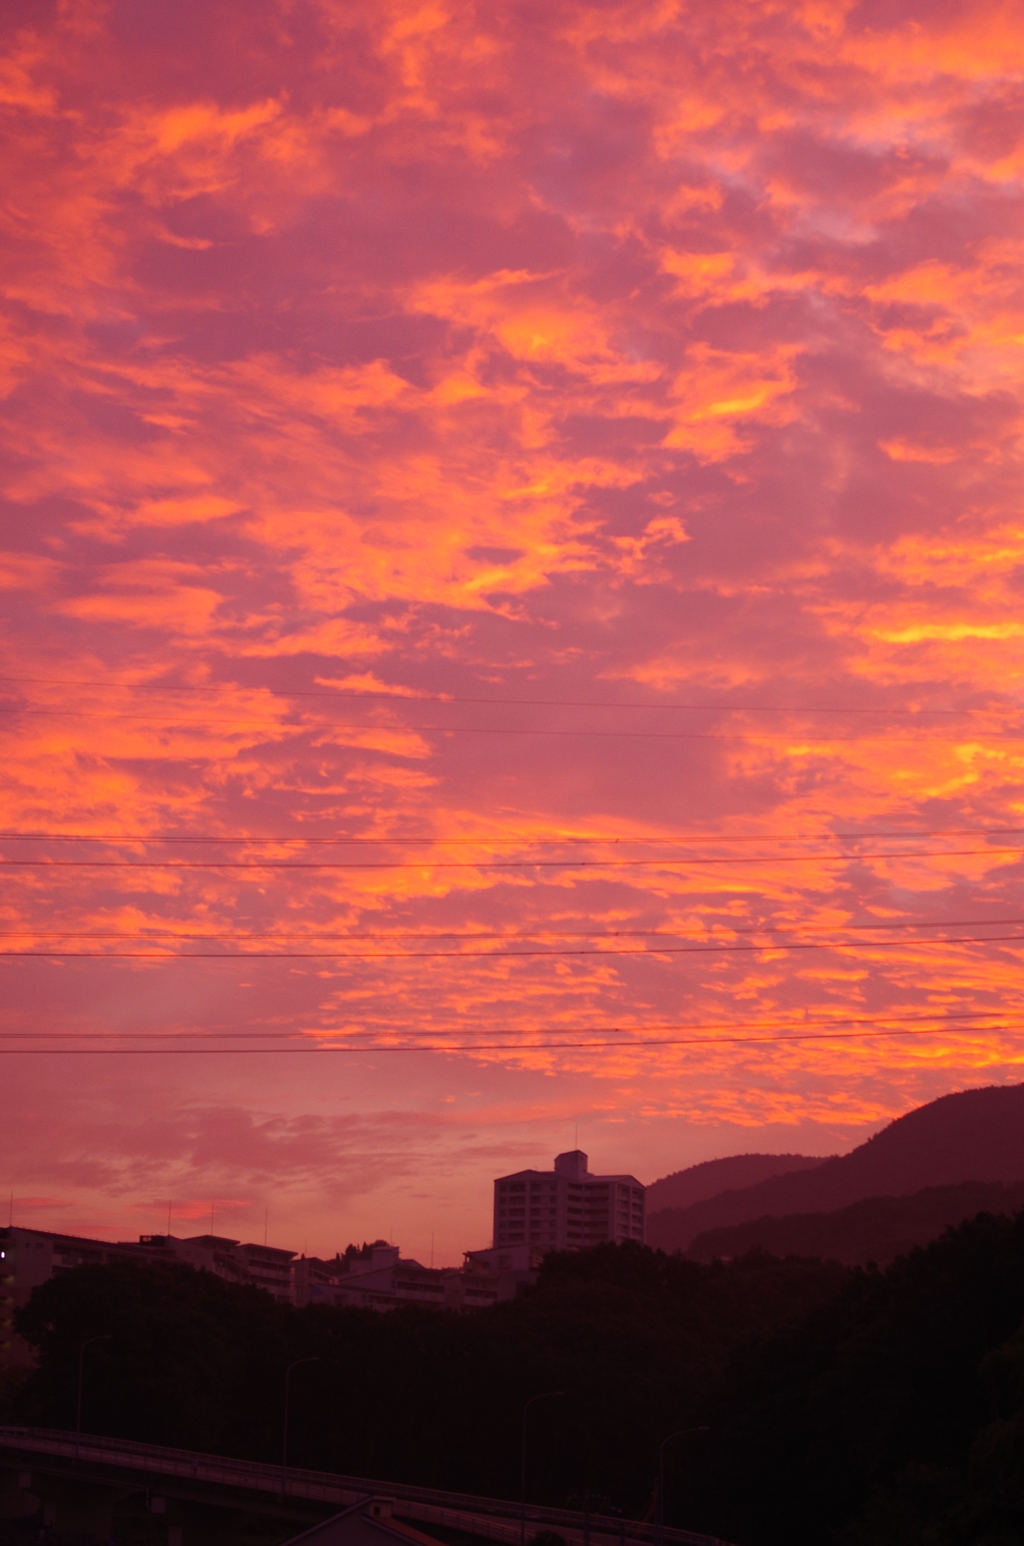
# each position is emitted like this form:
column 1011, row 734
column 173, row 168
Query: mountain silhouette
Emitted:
column 685, row 1187
column 974, row 1135
column 876, row 1230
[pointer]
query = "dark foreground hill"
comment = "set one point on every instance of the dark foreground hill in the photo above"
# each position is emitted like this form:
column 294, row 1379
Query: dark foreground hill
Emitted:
column 876, row 1230
column 636, row 1341
column 976, row 1135
column 842, row 1407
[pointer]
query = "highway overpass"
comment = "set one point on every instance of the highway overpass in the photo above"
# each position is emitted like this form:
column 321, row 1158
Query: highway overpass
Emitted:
column 73, row 1482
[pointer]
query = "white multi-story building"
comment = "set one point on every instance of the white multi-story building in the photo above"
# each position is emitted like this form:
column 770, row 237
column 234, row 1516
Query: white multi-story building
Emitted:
column 29, row 1257
column 264, row 1266
column 566, row 1208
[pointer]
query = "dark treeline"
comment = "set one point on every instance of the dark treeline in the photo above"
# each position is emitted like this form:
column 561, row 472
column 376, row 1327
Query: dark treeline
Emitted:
column 843, row 1404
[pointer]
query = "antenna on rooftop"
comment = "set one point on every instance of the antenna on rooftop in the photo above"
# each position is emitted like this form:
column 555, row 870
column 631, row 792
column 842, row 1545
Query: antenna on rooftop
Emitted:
column 431, row 1250
column 10, row 1214
column 266, row 1216
column 168, row 1220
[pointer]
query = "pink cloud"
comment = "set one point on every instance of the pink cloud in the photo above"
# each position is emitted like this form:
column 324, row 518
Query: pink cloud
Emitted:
column 486, row 367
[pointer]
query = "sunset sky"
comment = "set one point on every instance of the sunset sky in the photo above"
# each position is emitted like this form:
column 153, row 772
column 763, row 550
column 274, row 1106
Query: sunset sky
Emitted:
column 512, row 528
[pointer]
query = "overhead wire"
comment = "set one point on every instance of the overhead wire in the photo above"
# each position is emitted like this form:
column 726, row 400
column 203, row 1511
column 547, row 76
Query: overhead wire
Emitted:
column 793, row 1034
column 478, row 1047
column 561, row 731
column 541, row 932
column 483, row 841
column 402, row 694
column 773, row 946
column 625, row 1038
column 778, row 1023
column 662, row 862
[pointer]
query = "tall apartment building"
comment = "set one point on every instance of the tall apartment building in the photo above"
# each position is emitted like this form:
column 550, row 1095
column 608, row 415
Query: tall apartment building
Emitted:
column 566, row 1208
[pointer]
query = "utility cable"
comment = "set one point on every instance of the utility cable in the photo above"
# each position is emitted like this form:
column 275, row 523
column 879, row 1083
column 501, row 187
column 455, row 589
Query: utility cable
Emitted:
column 413, row 695
column 782, row 1030
column 562, row 731
column 478, row 1047
column 592, row 839
column 495, row 864
column 472, row 936
column 501, row 955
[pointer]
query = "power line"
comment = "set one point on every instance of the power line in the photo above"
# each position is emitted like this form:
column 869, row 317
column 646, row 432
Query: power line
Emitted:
column 787, row 1023
column 499, row 955
column 473, row 935
column 592, row 839
column 625, row 1036
column 494, row 864
column 414, row 695
column 561, row 731
column 477, row 1047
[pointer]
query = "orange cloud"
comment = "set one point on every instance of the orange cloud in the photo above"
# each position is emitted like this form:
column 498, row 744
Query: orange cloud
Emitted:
column 631, row 400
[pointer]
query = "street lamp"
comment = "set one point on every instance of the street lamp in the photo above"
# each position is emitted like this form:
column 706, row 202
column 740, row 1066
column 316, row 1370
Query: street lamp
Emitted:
column 106, row 1337
column 679, row 1433
column 284, row 1444
column 545, row 1395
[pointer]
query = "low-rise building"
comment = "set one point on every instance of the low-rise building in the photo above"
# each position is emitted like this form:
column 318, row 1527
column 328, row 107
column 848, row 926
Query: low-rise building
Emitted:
column 29, row 1257
column 264, row 1266
column 315, row 1280
column 382, row 1279
column 505, row 1268
column 388, row 1279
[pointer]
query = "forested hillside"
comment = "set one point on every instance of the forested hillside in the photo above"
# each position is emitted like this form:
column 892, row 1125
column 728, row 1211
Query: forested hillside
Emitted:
column 842, row 1404
column 876, row 1230
column 973, row 1135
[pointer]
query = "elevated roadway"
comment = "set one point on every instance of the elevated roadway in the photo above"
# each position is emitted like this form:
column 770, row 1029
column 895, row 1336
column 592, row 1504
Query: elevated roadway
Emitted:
column 77, row 1468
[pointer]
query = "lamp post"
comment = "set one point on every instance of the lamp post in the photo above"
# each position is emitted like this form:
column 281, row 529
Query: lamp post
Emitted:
column 106, row 1337
column 679, row 1433
column 284, row 1442
column 545, row 1395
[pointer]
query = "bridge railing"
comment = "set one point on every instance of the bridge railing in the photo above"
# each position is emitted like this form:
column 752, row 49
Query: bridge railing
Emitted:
column 429, row 1503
